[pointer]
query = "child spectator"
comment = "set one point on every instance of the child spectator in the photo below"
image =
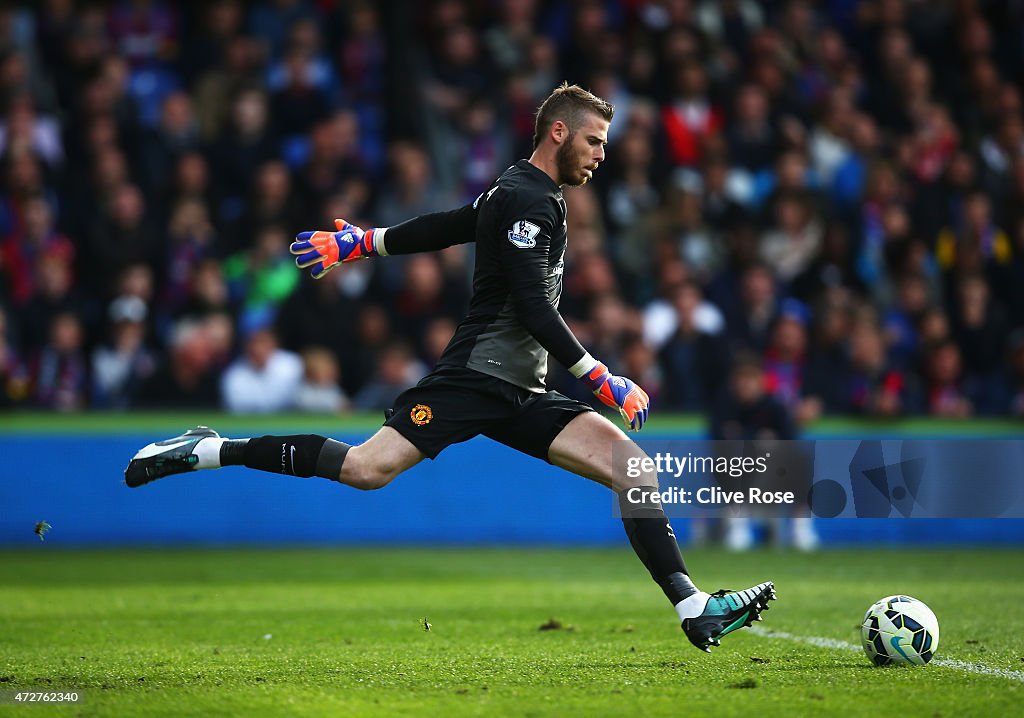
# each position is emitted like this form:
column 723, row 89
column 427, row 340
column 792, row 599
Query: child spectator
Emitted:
column 320, row 391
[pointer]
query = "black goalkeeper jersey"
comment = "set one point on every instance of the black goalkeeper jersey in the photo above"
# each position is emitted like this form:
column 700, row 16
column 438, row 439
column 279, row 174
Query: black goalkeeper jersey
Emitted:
column 513, row 321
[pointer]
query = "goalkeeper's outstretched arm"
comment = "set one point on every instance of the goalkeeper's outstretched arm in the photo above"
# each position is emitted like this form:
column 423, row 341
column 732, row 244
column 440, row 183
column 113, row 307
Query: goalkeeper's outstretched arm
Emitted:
column 321, row 251
column 431, row 232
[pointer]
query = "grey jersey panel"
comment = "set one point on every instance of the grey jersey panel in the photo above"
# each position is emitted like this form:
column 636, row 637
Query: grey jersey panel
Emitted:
column 507, row 351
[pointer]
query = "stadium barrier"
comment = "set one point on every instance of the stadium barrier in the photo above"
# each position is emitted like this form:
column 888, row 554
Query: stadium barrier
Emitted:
column 68, row 472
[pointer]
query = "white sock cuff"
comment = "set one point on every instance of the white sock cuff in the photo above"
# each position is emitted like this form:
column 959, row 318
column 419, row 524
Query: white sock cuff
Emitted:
column 692, row 606
column 208, row 452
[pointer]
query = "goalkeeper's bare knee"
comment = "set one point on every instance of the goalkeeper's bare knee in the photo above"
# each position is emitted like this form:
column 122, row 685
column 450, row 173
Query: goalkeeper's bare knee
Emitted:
column 368, row 472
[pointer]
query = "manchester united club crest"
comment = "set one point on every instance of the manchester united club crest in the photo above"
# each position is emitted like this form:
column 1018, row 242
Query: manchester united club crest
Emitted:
column 421, row 414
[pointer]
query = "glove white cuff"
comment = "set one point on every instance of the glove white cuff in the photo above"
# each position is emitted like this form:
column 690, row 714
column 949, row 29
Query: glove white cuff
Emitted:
column 583, row 366
column 378, row 241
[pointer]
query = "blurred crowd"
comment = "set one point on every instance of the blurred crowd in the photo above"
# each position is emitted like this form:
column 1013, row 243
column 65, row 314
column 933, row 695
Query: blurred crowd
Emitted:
column 807, row 208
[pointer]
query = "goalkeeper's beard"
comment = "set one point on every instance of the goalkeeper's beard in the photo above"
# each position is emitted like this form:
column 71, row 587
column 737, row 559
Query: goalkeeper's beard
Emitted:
column 569, row 165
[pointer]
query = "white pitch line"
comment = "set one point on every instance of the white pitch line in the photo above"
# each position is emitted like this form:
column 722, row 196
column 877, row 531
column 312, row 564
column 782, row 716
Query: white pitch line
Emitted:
column 833, row 643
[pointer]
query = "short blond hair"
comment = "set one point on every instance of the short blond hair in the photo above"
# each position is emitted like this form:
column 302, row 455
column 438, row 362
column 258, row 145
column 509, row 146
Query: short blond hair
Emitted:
column 569, row 103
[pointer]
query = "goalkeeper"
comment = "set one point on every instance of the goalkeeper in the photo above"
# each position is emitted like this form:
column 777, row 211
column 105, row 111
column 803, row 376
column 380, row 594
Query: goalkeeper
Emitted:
column 491, row 378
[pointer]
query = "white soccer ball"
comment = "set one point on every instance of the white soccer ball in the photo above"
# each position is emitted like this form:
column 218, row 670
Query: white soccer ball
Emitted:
column 900, row 630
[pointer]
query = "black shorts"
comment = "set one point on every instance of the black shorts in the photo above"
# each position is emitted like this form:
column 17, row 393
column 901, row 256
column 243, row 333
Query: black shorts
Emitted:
column 452, row 404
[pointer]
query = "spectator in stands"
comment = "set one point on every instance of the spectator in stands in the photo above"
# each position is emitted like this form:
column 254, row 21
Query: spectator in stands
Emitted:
column 420, row 299
column 219, row 328
column 851, row 172
column 191, row 182
column 215, row 26
column 23, row 130
column 900, row 322
column 457, row 73
column 945, row 393
column 794, row 241
column 302, row 96
column 371, row 334
column 264, row 379
column 271, row 201
column 54, row 293
column 791, row 176
column 362, row 65
column 690, row 117
column 269, row 20
column 873, row 387
column 332, row 155
column 697, row 357
column 27, row 244
column 744, row 410
column 144, row 31
column 191, row 240
column 720, row 201
column 749, row 327
column 100, row 175
column 830, row 271
column 187, row 377
column 14, row 379
column 305, row 63
column 23, row 180
column 136, row 280
column 207, row 292
column 122, row 236
column 697, row 243
column 828, row 144
column 176, row 134
column 261, row 278
column 436, row 337
column 753, row 140
column 1001, row 148
column 221, row 84
column 980, row 328
column 240, row 153
column 410, row 190
column 483, row 148
column 785, row 363
column 120, row 366
column 828, row 357
column 396, row 371
column 59, row 370
column 975, row 240
column 883, row 202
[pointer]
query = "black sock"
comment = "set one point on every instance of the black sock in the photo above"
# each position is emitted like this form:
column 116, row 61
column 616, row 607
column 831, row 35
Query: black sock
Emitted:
column 651, row 536
column 297, row 455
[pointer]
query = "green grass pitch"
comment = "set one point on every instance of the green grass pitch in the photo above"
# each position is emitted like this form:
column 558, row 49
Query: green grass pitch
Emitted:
column 340, row 632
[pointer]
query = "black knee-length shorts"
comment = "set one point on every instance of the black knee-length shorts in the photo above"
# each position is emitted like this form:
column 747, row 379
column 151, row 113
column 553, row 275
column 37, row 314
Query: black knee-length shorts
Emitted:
column 452, row 405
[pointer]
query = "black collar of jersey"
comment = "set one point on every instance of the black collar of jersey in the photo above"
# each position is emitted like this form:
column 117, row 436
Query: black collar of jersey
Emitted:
column 530, row 167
